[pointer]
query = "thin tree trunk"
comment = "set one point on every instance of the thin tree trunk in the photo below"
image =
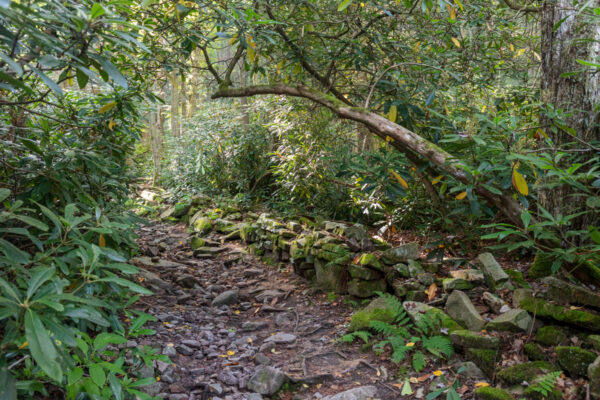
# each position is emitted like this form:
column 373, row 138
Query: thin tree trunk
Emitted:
column 575, row 94
column 174, row 104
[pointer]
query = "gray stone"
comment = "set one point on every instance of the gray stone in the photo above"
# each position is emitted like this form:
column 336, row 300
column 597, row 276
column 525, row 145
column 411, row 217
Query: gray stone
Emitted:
column 179, row 396
column 515, row 320
column 191, row 343
column 470, row 275
column 249, row 326
column 281, row 337
column 215, row 388
column 593, row 373
column 228, row 378
column 495, row 303
column 261, row 359
column 169, row 350
column 266, row 380
column 460, row 308
column 467, row 339
column 358, row 393
column 357, row 232
column 168, row 212
column 450, row 284
column 492, row 271
column 471, row 370
column 520, row 294
column 186, row 280
column 400, row 254
column 251, row 396
column 185, row 350
column 426, row 278
column 567, row 293
column 267, row 346
column 329, row 276
column 226, row 298
column 153, row 280
column 148, row 372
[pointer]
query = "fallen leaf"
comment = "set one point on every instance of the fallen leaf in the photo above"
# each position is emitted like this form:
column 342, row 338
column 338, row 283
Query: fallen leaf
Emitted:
column 481, row 384
column 431, row 292
column 438, row 373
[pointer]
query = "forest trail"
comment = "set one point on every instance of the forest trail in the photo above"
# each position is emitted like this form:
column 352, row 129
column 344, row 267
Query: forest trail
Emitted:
column 267, row 320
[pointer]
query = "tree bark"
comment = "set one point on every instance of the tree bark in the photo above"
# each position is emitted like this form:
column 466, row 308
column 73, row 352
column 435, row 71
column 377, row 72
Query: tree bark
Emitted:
column 174, row 104
column 402, row 138
column 575, row 94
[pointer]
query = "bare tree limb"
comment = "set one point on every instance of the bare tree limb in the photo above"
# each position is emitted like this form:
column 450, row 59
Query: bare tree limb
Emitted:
column 525, row 8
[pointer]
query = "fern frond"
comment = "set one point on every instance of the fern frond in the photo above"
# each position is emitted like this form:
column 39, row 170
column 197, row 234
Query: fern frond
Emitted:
column 438, row 345
column 349, row 338
column 385, row 328
column 547, row 383
column 418, row 361
column 399, row 354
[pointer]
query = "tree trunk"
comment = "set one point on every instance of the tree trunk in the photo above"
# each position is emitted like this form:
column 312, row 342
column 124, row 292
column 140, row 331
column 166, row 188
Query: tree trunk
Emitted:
column 174, row 104
column 575, row 94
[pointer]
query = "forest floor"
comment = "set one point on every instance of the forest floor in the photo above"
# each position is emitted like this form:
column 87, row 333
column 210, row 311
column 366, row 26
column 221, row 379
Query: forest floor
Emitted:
column 234, row 326
column 276, row 319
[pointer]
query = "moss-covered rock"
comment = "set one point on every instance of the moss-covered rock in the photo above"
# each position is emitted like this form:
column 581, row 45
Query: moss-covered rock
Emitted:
column 467, row 339
column 566, row 293
column 550, row 335
column 593, row 341
column 181, row 209
column 562, row 314
column 490, row 393
column 515, row 320
column 485, row 359
column 330, row 277
column 370, row 260
column 575, row 360
column 541, row 266
column 377, row 310
column 527, row 371
column 400, row 254
column 534, row 392
column 360, row 272
column 535, row 353
column 364, row 289
column 417, row 310
column 202, row 225
column 197, row 242
column 450, row 284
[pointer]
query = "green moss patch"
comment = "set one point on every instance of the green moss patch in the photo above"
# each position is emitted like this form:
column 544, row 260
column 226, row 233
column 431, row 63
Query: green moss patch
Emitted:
column 490, row 393
column 468, row 339
column 533, row 392
column 542, row 308
column 575, row 360
column 528, row 371
column 376, row 311
column 535, row 353
column 485, row 359
column 550, row 335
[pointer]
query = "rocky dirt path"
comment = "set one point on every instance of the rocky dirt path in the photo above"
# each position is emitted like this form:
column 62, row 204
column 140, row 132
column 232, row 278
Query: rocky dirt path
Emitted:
column 236, row 328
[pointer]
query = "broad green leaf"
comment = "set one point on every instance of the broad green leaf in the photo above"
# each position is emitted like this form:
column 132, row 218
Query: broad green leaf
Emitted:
column 4, row 193
column 97, row 11
column 13, row 252
column 31, row 221
column 15, row 66
column 49, row 82
column 115, row 386
column 126, row 283
column 41, row 346
column 10, row 291
column 104, row 339
column 406, row 389
column 97, row 374
column 74, row 375
column 111, row 70
column 344, row 4
column 8, row 388
column 526, row 218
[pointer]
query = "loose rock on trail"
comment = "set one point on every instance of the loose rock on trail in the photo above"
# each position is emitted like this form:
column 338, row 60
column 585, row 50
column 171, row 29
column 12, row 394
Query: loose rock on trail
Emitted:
column 236, row 328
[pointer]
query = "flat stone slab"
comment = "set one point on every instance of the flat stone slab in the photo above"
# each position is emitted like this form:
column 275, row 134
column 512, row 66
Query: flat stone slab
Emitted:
column 359, row 393
column 492, row 271
column 226, row 298
column 516, row 320
column 266, row 380
column 400, row 254
column 281, row 337
column 579, row 318
column 160, row 263
column 567, row 293
column 460, row 308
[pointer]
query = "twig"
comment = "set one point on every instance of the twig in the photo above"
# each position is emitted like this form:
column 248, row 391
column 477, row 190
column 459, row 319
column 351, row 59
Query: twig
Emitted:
column 18, row 362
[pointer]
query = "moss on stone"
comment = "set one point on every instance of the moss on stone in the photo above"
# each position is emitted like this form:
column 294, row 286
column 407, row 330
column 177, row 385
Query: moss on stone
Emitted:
column 527, row 371
column 533, row 392
column 542, row 308
column 370, row 259
column 541, row 266
column 490, row 393
column 485, row 359
column 377, row 310
column 575, row 360
column 550, row 335
column 202, row 225
column 468, row 339
column 534, row 352
column 197, row 242
column 447, row 322
column 593, row 341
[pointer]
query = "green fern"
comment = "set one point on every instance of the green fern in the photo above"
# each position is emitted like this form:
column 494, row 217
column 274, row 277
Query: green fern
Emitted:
column 418, row 361
column 438, row 346
column 429, row 323
column 350, row 337
column 547, row 383
column 388, row 329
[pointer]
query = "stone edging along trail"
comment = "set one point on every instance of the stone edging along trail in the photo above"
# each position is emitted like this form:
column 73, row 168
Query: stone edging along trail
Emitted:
column 236, row 327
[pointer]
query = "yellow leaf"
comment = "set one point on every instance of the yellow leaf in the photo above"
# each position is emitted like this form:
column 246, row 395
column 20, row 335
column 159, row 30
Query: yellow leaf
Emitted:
column 389, row 139
column 460, row 5
column 537, row 56
column 23, row 345
column 401, row 181
column 230, row 352
column 431, row 291
column 483, row 108
column 519, row 182
column 519, row 52
column 237, row 312
column 393, row 113
column 512, row 48
column 102, row 241
column 482, row 384
column 461, row 196
column 107, row 107
column 251, row 54
column 111, row 124
column 438, row 373
column 437, row 179
column 410, row 344
column 456, row 42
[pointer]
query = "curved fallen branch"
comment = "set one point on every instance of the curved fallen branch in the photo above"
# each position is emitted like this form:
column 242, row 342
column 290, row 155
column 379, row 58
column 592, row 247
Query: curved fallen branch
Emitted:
column 402, row 138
